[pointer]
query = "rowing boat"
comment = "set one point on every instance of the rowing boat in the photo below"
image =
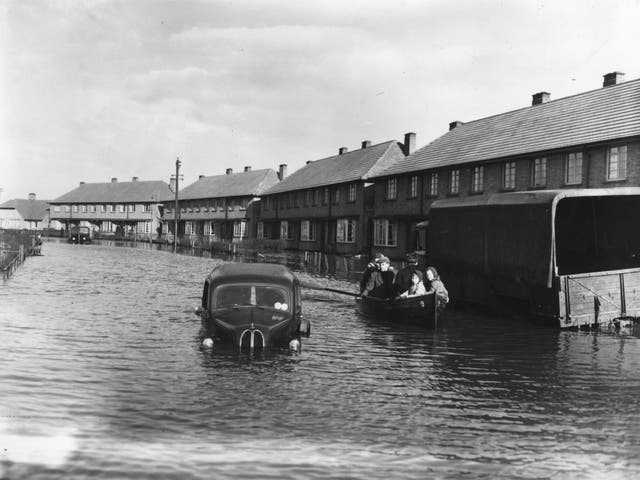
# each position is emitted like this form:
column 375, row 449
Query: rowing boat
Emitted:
column 421, row 310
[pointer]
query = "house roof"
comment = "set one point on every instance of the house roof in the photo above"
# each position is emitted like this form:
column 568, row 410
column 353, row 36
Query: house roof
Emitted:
column 348, row 167
column 253, row 182
column 604, row 114
column 28, row 209
column 138, row 191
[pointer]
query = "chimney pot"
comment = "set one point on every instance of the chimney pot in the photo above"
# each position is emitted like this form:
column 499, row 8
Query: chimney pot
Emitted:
column 81, row 183
column 200, row 177
column 114, row 180
column 342, row 150
column 409, row 145
column 366, row 143
column 32, row 196
column 229, row 171
column 455, row 124
column 309, row 161
column 612, row 78
column 134, row 179
column 247, row 168
column 282, row 171
column 540, row 97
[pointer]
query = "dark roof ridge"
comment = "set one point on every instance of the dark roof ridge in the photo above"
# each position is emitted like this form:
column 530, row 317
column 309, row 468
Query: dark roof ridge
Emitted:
column 555, row 100
column 349, row 152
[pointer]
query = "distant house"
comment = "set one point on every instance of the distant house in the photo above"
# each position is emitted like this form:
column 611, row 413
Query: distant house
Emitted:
column 220, row 207
column 327, row 204
column 588, row 140
column 123, row 208
column 30, row 214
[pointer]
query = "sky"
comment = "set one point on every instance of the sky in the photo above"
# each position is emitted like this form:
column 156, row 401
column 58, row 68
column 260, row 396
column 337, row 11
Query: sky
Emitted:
column 91, row 90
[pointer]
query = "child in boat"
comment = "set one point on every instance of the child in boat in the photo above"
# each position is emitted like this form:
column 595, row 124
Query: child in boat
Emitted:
column 403, row 277
column 436, row 286
column 416, row 288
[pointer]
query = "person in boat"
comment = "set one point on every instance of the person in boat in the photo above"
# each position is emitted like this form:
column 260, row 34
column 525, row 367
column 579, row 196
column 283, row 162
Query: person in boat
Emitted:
column 380, row 283
column 372, row 266
column 403, row 280
column 416, row 288
column 436, row 286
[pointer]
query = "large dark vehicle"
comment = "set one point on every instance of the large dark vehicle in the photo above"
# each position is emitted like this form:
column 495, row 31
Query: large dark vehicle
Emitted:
column 252, row 306
column 569, row 257
column 80, row 235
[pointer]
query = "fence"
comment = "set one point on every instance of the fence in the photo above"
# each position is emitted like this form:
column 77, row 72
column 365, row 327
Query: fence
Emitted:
column 15, row 247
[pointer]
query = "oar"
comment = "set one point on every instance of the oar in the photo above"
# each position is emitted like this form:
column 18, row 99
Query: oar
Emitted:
column 316, row 287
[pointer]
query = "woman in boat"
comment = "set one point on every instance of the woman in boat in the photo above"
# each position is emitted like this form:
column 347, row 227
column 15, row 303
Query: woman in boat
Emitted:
column 372, row 266
column 436, row 286
column 416, row 288
column 380, row 283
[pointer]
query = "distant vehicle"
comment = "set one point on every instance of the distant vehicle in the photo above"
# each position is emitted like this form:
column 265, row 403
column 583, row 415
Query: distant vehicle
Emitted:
column 252, row 306
column 80, row 235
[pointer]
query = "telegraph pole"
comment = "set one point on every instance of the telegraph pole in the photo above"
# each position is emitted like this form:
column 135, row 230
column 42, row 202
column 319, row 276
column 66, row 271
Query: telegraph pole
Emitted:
column 176, row 210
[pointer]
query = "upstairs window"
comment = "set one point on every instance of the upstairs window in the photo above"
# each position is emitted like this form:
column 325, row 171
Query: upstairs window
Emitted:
column 454, row 182
column 351, row 195
column 539, row 173
column 477, row 181
column 413, row 186
column 391, row 190
column 433, row 185
column 509, row 176
column 573, row 169
column 617, row 163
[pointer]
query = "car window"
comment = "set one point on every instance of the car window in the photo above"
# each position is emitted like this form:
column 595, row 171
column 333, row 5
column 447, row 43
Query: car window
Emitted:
column 261, row 295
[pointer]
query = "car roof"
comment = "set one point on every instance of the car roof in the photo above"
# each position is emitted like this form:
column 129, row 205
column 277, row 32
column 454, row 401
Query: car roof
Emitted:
column 256, row 272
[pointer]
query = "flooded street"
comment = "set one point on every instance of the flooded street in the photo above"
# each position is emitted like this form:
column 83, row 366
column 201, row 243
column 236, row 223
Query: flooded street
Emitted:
column 102, row 376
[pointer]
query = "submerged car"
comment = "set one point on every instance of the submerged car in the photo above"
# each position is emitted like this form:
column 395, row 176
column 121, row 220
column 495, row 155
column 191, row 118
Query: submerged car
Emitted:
column 252, row 306
column 80, row 235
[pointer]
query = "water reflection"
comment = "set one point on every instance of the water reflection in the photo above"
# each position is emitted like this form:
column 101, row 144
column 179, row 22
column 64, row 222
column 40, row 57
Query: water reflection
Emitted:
column 102, row 367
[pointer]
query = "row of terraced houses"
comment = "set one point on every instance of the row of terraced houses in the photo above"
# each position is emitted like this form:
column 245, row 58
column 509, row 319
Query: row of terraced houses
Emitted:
column 377, row 197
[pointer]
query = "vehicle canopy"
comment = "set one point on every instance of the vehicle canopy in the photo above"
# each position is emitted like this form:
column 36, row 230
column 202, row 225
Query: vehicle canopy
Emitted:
column 252, row 284
column 537, row 234
column 76, row 230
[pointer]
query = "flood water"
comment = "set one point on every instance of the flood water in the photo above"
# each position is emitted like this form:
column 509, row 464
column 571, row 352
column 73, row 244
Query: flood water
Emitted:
column 102, row 376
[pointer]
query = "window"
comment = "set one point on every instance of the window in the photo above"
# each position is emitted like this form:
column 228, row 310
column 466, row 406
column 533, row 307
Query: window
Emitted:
column 83, row 208
column 284, row 230
column 75, row 209
column 573, row 169
column 336, row 196
column 146, row 207
column 229, row 205
column 539, row 174
column 131, row 208
column 509, row 176
column 243, row 202
column 391, row 190
column 385, row 233
column 112, row 208
column 307, row 231
column 345, row 230
column 413, row 186
column 56, row 208
column 121, row 208
column 454, row 182
column 260, row 230
column 93, row 208
column 188, row 228
column 433, row 185
column 317, row 200
column 308, row 198
column 325, row 200
column 106, row 226
column 351, row 195
column 477, row 181
column 207, row 229
column 67, row 208
column 617, row 163
column 240, row 228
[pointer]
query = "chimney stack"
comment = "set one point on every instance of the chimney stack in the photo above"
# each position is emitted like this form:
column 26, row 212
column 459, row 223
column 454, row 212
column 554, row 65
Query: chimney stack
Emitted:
column 409, row 145
column 229, row 171
column 342, row 150
column 200, row 177
column 81, row 183
column 32, row 196
column 309, row 161
column 613, row 78
column 282, row 171
column 134, row 179
column 540, row 97
column 366, row 143
column 247, row 168
column 114, row 180
column 455, row 124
